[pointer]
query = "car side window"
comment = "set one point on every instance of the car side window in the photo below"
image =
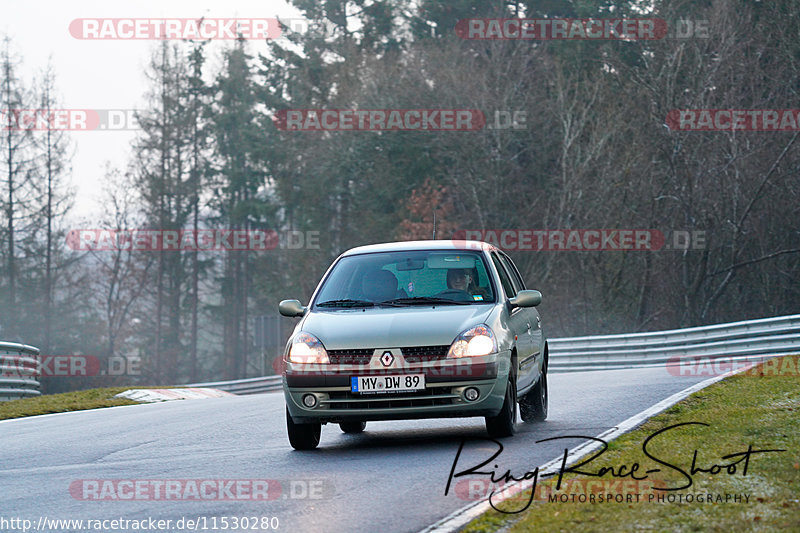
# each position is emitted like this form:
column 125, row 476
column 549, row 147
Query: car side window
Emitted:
column 513, row 272
column 515, row 283
column 504, row 279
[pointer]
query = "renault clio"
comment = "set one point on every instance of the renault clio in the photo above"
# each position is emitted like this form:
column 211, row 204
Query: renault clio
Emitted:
column 412, row 330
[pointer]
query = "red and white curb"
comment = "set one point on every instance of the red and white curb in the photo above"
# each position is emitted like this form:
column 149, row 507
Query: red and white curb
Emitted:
column 163, row 395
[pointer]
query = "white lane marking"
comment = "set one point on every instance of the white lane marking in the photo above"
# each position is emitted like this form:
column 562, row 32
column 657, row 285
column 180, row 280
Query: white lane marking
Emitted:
column 458, row 519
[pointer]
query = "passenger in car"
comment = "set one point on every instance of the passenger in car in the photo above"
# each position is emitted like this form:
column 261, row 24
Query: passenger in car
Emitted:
column 380, row 285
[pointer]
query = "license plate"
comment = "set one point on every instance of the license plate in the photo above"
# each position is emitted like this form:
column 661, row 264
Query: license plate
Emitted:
column 398, row 383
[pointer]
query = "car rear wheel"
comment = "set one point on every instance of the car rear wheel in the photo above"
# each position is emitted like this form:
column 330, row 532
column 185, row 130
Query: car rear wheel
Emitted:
column 533, row 406
column 353, row 427
column 302, row 436
column 502, row 425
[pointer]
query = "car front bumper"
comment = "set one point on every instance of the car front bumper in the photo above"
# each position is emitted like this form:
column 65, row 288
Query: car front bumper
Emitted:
column 444, row 396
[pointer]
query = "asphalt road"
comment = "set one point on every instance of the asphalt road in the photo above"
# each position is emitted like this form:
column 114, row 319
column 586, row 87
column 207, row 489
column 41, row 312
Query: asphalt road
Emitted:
column 390, row 478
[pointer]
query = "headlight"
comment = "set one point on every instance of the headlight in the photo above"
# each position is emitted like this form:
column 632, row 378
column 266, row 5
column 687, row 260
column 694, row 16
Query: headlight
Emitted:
column 475, row 341
column 307, row 349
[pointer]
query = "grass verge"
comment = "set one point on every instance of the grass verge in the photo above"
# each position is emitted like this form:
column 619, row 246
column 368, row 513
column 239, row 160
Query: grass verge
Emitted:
column 758, row 407
column 63, row 402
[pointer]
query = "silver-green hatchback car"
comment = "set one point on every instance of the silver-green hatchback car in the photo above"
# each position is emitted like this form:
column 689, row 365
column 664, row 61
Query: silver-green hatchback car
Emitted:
column 409, row 330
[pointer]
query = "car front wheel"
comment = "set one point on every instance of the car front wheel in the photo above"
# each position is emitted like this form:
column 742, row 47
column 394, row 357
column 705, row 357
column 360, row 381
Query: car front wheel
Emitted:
column 302, row 436
column 502, row 425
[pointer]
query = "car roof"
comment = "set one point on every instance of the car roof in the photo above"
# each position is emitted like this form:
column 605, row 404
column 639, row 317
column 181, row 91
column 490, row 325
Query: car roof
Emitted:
column 443, row 244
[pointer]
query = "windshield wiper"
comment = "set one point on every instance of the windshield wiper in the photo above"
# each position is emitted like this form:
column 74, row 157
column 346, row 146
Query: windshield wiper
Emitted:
column 346, row 302
column 424, row 300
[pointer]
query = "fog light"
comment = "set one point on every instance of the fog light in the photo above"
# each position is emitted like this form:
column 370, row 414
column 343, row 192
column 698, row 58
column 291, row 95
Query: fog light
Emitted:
column 309, row 400
column 471, row 394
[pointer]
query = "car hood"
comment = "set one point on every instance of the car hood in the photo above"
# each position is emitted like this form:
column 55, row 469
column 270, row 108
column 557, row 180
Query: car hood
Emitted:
column 393, row 327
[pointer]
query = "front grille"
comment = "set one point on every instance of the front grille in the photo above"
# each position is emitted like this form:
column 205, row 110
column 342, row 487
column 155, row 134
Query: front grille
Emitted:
column 412, row 354
column 355, row 356
column 416, row 354
column 425, row 398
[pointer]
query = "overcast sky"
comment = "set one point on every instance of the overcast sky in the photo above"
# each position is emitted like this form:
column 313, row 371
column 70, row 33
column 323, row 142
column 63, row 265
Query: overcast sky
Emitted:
column 105, row 74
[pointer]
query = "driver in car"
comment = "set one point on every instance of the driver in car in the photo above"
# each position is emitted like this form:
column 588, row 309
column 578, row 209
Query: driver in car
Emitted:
column 465, row 279
column 459, row 279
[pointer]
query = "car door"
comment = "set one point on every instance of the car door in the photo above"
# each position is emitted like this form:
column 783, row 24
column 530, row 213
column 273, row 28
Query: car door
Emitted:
column 529, row 367
column 519, row 323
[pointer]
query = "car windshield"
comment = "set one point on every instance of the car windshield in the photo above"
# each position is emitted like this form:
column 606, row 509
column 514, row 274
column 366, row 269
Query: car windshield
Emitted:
column 407, row 278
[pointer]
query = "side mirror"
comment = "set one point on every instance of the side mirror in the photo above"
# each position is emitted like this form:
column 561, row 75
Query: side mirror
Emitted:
column 526, row 299
column 291, row 308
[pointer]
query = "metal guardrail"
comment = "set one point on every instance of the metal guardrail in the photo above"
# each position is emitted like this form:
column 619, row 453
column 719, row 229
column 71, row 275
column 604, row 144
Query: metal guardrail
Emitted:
column 19, row 371
column 244, row 386
column 750, row 340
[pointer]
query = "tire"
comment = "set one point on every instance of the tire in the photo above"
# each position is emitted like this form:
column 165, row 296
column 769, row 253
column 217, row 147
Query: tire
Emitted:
column 502, row 425
column 533, row 406
column 302, row 436
column 352, row 427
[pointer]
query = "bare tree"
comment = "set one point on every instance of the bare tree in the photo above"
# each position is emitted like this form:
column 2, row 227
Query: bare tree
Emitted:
column 16, row 144
column 56, row 197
